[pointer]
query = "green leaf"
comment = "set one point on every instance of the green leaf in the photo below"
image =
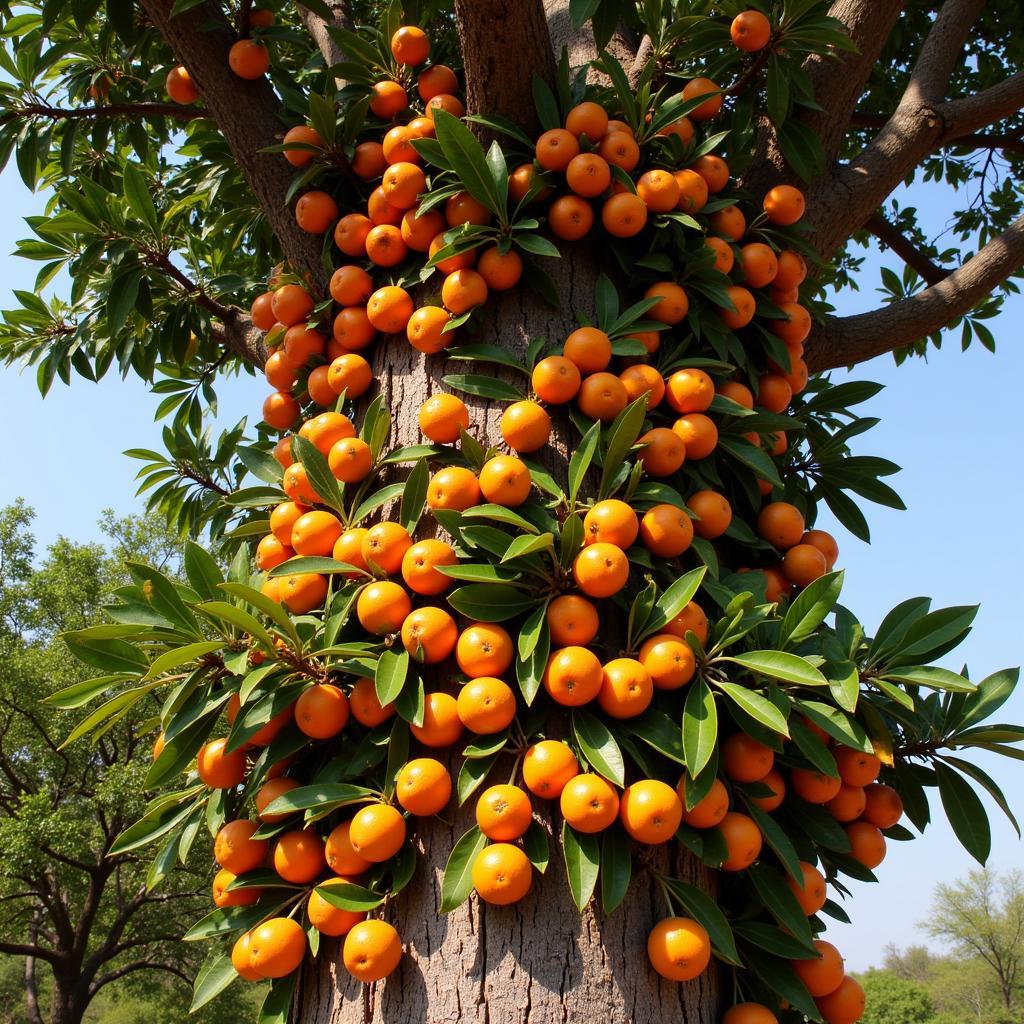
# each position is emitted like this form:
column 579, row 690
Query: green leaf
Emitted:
column 277, row 1005
column 581, row 459
column 622, row 435
column 483, row 387
column 965, row 812
column 659, row 731
column 705, row 912
column 673, row 601
column 616, row 867
column 759, row 708
column 313, row 564
column 457, row 880
column 773, row 940
column 700, row 726
column 933, row 676
column 790, row 668
column 137, row 193
column 779, row 977
column 321, row 797
column 535, row 846
column 214, row 976
column 413, row 496
column 318, row 472
column 777, row 839
column 582, row 853
column 202, row 571
column 467, row 159
column 491, row 602
column 347, row 895
column 240, row 619
column 809, row 609
column 599, row 747
column 779, row 900
column 525, row 544
column 389, row 679
column 472, row 774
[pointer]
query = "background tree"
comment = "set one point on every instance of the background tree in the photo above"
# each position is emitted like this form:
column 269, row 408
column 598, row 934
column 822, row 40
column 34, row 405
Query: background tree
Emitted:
column 895, row 1000
column 73, row 919
column 160, row 245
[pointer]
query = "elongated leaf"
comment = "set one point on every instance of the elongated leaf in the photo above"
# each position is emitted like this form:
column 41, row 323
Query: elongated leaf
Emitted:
column 491, row 602
column 809, row 609
column 582, row 853
column 758, row 707
column 706, row 913
column 392, row 671
column 700, row 726
column 965, row 812
column 673, row 601
column 457, row 880
column 348, row 896
column 599, row 747
column 214, row 976
column 790, row 668
column 616, row 867
column 467, row 159
column 581, row 459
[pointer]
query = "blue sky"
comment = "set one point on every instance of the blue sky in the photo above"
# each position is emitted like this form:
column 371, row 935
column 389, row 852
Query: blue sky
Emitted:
column 952, row 423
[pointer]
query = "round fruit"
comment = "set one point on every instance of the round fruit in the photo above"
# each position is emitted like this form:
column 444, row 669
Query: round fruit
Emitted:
column 679, row 948
column 503, row 812
column 502, row 874
column 650, row 811
column 372, row 950
column 589, row 803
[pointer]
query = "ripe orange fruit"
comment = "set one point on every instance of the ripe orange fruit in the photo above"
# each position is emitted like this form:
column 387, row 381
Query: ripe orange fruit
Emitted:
column 348, row 548
column 714, row 170
column 237, row 897
column 410, row 46
column 679, row 948
column 219, row 769
column 589, row 803
column 813, row 786
column 441, row 416
column 602, row 396
column 825, row 543
column 773, row 781
column 453, row 487
column 350, row 234
column 389, row 309
column 441, row 723
column 382, row 607
column 689, row 390
column 322, row 711
column 429, row 634
column 502, row 874
column 328, row 919
column 714, row 514
column 682, row 128
column 624, row 215
column 235, row 850
column 710, row 810
column 350, row 460
column 745, row 759
column 503, row 812
column 315, row 212
column 423, row 786
column 573, row 676
column 666, row 531
column 600, row 569
column 745, row 307
column 626, row 688
column 588, row 175
column 780, row 524
column 750, row 31
column 299, row 856
column 280, row 410
column 262, row 312
column 673, row 304
column 620, row 149
column 883, row 807
column 749, row 1013
column 570, row 218
column 823, row 974
column 698, row 433
column 784, row 205
column 867, row 844
column 572, row 620
column 369, row 161
column 703, row 87
column 240, row 961
column 792, row 270
column 848, row 804
column 248, row 59
column 462, row 208
column 419, row 566
column 659, row 190
column 372, row 950
column 180, row 87
column 277, row 946
column 556, row 380
column 377, row 832
column 650, row 811
column 742, row 840
column 270, row 552
column 555, row 149
column 668, row 660
column 796, row 327
column 811, row 893
column 301, row 136
column 643, row 379
column 610, row 521
column 588, row 119
column 547, row 767
column 385, row 246
column 389, row 98
column 759, row 264
column 426, row 330
column 314, row 533
column 385, row 544
column 437, row 80
column 350, row 373
column 420, row 229
column 729, row 222
column 520, row 182
column 486, row 705
column 350, row 285
column 525, row 426
column 446, row 102
column 291, row 304
column 589, row 348
column 505, row 480
column 693, row 191
column 856, row 768
column 268, row 793
column 774, row 392
column 341, row 855
column 462, row 290
column 845, row 1005
column 500, row 271
column 803, row 564
column 663, row 452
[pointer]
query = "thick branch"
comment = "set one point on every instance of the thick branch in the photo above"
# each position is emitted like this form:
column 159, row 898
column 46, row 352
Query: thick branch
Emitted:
column 1013, row 143
column 966, row 115
column 503, row 45
column 176, row 110
column 139, row 965
column 247, row 114
column 644, row 53
column 241, row 337
column 887, row 232
column 941, row 52
column 24, row 949
column 843, row 341
column 317, row 28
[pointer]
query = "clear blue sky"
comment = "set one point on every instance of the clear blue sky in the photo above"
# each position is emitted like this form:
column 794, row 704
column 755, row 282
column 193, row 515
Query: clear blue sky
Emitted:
column 952, row 422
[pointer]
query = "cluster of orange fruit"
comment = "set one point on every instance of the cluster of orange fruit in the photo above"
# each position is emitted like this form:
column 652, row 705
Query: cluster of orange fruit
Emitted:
column 399, row 570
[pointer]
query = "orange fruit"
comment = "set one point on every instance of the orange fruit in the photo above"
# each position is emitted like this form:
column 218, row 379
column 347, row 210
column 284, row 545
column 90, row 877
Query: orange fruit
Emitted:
column 773, row 781
column 240, row 959
column 521, row 181
column 441, row 416
column 589, row 348
column 301, row 136
column 813, row 786
column 784, row 205
column 744, row 759
column 626, row 688
column 689, row 390
column 588, row 119
column 825, row 543
column 713, row 511
column 714, row 170
column 729, row 222
column 268, row 793
column 426, row 330
column 453, row 487
column 423, row 786
column 570, row 218
column 503, row 812
column 573, row 676
column 867, row 844
column 682, row 128
column 505, row 480
column 350, row 460
column 462, row 208
column 845, row 1005
column 350, row 373
column 672, row 305
column 368, row 160
column 611, row 522
column 420, row 229
column 749, row 1013
column 419, row 566
column 742, row 840
column 659, row 190
column 249, row 60
column 446, row 102
column 650, row 811
column 382, row 607
column 372, row 950
column 745, row 304
column 486, row 705
column 620, row 149
column 781, row 524
column 322, row 711
column 624, row 215
column 410, row 46
column 693, row 191
column 348, row 548
column 462, row 290
column 666, row 531
column 555, row 149
column 848, row 804
column 277, row 946
column 750, row 31
column 710, row 810
column 315, row 212
column 883, row 807
column 262, row 312
column 811, row 893
column 377, row 832
column 548, row 765
column 724, row 255
column 341, row 855
column 698, row 87
column 299, row 856
column 389, row 98
column 698, row 433
column 441, row 723
column 235, row 850
column 236, row 897
column 556, row 380
column 856, row 768
column 678, row 948
column 389, row 309
column 436, row 80
column 823, row 974
column 328, row 919
column 219, row 769
column 280, row 410
column 600, row 570
column 668, row 660
column 525, row 426
column 588, row 175
column 803, row 564
column 270, row 552
column 499, row 270
column 572, row 620
column 795, row 328
column 589, row 803
column 502, row 874
column 429, row 635
column 350, row 234
column 759, row 265
column 643, row 379
column 663, row 452
column 179, row 86
column 792, row 270
column 385, row 544
column 314, row 533
column 602, row 396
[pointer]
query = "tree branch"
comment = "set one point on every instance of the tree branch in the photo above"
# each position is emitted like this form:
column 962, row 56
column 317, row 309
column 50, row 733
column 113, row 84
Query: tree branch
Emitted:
column 176, row 110
column 24, row 949
column 247, row 114
column 643, row 54
column 317, row 28
column 887, row 232
column 966, row 115
column 1013, row 143
column 842, row 341
column 138, row 965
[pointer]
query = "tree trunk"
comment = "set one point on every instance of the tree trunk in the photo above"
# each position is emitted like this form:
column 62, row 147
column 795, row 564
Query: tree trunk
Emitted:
column 31, row 986
column 539, row 960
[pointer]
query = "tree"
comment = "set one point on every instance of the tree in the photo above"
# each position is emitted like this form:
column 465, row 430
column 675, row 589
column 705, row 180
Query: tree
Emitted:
column 894, row 1000
column 66, row 908
column 983, row 916
column 848, row 100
